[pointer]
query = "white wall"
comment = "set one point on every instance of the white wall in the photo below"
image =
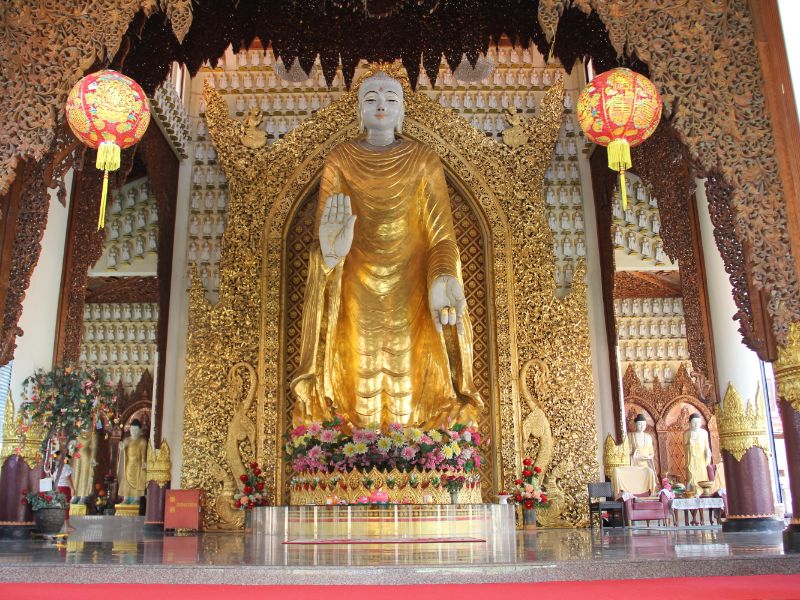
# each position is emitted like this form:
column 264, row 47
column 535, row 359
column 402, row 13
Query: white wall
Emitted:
column 736, row 363
column 40, row 306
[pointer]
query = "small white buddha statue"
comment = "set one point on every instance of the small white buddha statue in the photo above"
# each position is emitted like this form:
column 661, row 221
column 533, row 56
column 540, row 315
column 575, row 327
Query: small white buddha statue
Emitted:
column 698, row 453
column 641, row 445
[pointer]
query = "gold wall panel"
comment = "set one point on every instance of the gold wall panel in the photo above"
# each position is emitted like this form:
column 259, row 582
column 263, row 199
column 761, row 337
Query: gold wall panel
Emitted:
column 267, row 186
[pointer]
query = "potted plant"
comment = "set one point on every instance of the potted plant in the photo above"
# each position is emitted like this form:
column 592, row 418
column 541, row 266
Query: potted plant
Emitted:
column 48, row 510
column 253, row 493
column 65, row 402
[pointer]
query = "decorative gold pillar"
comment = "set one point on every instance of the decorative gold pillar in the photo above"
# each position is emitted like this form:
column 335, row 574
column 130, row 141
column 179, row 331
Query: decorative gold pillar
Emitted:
column 787, row 375
column 615, row 455
column 159, row 468
column 20, row 469
column 745, row 454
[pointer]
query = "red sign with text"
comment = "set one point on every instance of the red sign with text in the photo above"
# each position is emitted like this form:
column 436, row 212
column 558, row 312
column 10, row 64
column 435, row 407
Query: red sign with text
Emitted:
column 183, row 509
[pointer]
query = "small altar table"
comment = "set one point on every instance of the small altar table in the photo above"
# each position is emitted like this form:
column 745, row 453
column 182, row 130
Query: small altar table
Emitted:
column 700, row 504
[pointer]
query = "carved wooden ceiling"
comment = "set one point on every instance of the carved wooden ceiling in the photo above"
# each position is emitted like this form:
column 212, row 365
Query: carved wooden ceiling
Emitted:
column 647, row 284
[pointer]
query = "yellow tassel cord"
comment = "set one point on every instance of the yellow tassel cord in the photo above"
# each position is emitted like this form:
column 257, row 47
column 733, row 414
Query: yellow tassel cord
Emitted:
column 619, row 159
column 108, row 159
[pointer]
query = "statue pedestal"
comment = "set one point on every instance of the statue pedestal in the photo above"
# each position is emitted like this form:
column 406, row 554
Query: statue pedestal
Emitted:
column 78, row 510
column 126, row 510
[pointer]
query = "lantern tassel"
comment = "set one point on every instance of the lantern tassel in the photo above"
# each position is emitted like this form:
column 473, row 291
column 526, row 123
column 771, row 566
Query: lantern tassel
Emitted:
column 109, row 156
column 619, row 159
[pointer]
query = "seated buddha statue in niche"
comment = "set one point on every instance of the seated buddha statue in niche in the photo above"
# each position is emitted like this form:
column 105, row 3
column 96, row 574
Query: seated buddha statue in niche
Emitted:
column 386, row 336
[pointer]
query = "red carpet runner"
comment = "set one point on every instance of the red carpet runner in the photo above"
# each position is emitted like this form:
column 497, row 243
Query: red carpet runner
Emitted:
column 760, row 587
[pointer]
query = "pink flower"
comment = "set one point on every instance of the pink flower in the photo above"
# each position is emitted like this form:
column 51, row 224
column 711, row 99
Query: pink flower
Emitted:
column 314, row 453
column 396, row 427
column 328, row 436
column 408, row 452
column 298, row 431
column 454, row 435
column 314, row 428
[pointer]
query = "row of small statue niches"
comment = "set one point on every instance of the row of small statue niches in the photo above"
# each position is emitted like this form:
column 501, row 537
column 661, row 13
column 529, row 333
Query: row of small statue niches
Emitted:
column 207, row 225
column 650, row 350
column 650, row 328
column 564, row 273
column 648, row 307
column 569, row 247
column 204, row 251
column 208, row 273
column 645, row 219
column 128, row 375
column 208, row 200
column 118, row 353
column 119, row 311
column 647, row 372
column 141, row 332
column 648, row 247
column 127, row 252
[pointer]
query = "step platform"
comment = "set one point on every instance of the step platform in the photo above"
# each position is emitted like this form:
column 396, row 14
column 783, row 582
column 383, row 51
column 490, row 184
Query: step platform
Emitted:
column 390, row 523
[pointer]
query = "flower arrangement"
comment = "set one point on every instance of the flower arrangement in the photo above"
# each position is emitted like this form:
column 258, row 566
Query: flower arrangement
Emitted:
column 66, row 402
column 454, row 483
column 528, row 491
column 39, row 500
column 326, row 447
column 252, row 493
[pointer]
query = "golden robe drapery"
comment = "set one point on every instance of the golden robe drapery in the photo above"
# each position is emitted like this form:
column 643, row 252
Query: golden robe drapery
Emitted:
column 369, row 348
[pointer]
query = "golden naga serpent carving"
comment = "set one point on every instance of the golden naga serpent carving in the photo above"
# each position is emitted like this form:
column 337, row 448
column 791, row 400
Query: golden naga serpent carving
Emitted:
column 536, row 425
column 505, row 186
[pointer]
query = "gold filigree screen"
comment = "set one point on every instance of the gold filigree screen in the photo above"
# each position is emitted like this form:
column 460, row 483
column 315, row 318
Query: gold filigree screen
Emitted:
column 298, row 239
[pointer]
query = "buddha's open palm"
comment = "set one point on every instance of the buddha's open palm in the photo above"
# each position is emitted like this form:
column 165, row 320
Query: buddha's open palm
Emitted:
column 447, row 302
column 336, row 229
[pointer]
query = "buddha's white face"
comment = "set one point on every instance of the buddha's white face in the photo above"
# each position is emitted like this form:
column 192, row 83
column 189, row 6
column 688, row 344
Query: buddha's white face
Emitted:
column 641, row 426
column 381, row 104
column 135, row 431
column 694, row 424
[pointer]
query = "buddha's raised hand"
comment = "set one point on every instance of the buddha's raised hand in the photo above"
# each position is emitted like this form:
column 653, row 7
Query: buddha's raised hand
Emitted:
column 336, row 229
column 447, row 302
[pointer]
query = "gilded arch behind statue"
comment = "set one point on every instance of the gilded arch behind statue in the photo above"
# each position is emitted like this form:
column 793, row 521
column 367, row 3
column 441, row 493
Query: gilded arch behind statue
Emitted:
column 268, row 187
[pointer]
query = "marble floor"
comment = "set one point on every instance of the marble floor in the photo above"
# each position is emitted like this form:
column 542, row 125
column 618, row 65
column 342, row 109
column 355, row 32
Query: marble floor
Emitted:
column 109, row 549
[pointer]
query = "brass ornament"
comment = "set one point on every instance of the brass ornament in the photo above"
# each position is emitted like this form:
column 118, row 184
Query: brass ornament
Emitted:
column 742, row 425
column 247, row 325
column 787, row 368
column 159, row 465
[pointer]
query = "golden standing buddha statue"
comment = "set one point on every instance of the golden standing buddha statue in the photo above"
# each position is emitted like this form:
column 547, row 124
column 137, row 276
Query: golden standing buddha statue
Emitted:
column 386, row 335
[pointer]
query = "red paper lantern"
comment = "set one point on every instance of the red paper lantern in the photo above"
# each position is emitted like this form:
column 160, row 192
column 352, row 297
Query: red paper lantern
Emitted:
column 619, row 109
column 107, row 111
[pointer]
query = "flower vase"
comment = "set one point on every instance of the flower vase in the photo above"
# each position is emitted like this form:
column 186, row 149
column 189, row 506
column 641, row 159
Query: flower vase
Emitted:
column 454, row 496
column 49, row 520
column 529, row 519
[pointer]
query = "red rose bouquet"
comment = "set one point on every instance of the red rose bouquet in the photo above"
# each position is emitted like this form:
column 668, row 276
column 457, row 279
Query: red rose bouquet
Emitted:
column 253, row 492
column 527, row 489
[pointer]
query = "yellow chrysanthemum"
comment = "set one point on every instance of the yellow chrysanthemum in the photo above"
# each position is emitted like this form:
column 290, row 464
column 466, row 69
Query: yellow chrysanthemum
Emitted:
column 360, row 448
column 349, row 449
column 398, row 438
column 435, row 435
column 448, row 452
column 415, row 434
column 300, row 440
column 456, row 448
column 384, row 444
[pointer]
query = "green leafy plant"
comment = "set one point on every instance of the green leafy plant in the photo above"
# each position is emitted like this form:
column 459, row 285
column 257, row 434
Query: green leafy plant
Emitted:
column 39, row 500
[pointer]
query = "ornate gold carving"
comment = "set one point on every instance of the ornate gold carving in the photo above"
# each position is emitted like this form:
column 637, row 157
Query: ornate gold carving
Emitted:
column 514, row 135
column 536, row 425
column 691, row 48
column 45, row 48
column 267, row 186
column 27, row 447
column 615, row 455
column 411, row 486
column 742, row 425
column 252, row 136
column 159, row 465
column 787, row 368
